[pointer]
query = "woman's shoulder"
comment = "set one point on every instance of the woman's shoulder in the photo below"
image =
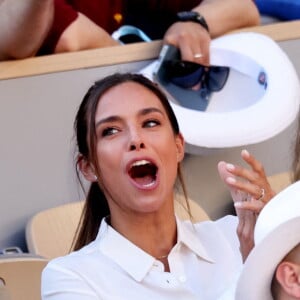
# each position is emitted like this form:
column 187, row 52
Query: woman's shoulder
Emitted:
column 222, row 230
column 226, row 223
column 76, row 259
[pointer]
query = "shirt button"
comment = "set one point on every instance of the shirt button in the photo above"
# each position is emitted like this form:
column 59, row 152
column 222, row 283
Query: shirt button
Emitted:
column 182, row 279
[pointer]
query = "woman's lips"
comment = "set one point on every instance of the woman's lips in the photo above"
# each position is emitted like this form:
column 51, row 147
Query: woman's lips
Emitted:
column 143, row 174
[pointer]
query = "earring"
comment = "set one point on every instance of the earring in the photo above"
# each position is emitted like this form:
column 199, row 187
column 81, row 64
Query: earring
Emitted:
column 95, row 177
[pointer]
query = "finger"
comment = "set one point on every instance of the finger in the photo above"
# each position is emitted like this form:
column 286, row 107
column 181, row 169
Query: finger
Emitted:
column 248, row 181
column 223, row 171
column 227, row 178
column 194, row 44
column 251, row 181
column 253, row 162
column 186, row 51
column 201, row 54
column 260, row 191
column 254, row 205
column 244, row 173
column 199, row 57
column 245, row 186
column 262, row 180
column 205, row 48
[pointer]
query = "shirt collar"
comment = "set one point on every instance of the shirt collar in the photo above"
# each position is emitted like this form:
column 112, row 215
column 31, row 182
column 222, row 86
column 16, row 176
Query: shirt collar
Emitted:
column 187, row 235
column 136, row 262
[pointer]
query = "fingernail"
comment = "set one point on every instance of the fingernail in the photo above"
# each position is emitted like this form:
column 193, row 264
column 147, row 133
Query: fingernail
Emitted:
column 230, row 167
column 245, row 152
column 238, row 204
column 230, row 180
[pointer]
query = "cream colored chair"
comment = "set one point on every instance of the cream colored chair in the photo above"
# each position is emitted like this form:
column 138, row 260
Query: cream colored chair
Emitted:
column 20, row 277
column 4, row 294
column 280, row 181
column 50, row 233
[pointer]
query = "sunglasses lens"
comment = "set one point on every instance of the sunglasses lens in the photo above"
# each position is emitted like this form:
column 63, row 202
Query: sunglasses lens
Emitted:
column 183, row 73
column 217, row 77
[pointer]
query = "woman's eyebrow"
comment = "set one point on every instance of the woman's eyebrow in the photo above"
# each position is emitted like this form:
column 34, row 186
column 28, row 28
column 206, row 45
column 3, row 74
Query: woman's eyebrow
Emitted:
column 149, row 110
column 142, row 112
column 107, row 120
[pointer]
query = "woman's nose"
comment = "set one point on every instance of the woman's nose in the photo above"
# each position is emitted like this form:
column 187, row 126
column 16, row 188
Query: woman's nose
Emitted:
column 136, row 142
column 136, row 146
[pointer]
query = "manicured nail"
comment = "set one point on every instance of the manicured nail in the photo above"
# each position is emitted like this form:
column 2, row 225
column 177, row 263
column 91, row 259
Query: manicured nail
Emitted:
column 230, row 180
column 245, row 153
column 238, row 204
column 230, row 167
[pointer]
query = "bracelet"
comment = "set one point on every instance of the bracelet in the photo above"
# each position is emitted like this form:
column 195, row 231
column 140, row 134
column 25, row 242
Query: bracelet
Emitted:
column 192, row 16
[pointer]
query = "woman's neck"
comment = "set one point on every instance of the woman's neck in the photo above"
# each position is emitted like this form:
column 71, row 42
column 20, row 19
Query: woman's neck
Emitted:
column 154, row 233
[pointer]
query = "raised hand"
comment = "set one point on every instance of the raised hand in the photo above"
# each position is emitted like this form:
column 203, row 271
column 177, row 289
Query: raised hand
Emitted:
column 250, row 191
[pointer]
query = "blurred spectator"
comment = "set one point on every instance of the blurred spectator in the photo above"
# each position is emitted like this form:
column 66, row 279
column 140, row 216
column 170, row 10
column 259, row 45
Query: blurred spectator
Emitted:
column 86, row 24
column 24, row 25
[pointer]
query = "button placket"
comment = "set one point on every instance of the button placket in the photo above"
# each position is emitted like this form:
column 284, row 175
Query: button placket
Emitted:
column 175, row 260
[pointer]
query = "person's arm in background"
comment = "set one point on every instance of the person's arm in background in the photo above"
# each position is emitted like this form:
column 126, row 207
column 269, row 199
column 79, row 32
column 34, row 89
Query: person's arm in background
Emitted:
column 24, row 25
column 221, row 17
column 225, row 15
column 83, row 34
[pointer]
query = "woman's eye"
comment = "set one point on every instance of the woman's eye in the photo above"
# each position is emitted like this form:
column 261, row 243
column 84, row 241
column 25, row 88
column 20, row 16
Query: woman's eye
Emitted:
column 151, row 123
column 109, row 131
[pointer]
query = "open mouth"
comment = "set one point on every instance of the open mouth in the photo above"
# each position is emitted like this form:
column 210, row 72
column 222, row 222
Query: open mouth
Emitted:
column 143, row 172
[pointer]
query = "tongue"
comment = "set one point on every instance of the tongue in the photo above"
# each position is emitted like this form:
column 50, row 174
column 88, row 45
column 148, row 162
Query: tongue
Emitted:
column 143, row 181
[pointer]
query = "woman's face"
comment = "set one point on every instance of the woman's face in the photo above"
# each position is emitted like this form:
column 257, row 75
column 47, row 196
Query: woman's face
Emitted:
column 137, row 151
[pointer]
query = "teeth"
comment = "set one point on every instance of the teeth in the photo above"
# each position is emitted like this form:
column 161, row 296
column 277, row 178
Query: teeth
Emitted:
column 149, row 184
column 140, row 163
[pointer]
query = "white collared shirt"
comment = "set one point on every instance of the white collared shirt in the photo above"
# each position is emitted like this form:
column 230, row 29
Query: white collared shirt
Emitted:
column 204, row 264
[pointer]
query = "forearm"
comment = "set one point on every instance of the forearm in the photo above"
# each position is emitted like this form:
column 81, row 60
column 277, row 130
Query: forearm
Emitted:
column 83, row 34
column 226, row 15
column 23, row 26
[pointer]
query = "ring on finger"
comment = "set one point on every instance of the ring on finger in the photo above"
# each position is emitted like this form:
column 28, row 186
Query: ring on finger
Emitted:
column 262, row 195
column 198, row 55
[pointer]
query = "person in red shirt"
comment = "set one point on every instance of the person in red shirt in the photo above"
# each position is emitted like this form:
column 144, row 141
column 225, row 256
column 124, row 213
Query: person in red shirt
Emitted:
column 87, row 24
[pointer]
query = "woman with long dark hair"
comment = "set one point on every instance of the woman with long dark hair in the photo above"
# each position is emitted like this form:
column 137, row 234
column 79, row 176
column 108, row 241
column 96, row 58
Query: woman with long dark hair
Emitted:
column 130, row 244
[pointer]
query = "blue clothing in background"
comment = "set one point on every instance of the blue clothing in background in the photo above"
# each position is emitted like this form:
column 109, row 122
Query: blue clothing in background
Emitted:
column 281, row 9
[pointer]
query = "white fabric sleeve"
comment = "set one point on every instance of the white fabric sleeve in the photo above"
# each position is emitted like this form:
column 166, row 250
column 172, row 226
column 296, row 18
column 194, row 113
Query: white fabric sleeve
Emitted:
column 59, row 283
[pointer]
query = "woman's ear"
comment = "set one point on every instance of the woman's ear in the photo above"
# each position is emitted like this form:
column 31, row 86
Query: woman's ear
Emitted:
column 180, row 147
column 87, row 169
column 288, row 276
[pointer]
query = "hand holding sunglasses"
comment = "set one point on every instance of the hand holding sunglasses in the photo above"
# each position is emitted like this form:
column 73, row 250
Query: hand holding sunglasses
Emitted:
column 192, row 84
column 189, row 75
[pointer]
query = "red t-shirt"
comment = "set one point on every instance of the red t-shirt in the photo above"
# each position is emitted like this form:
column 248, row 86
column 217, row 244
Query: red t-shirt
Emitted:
column 152, row 16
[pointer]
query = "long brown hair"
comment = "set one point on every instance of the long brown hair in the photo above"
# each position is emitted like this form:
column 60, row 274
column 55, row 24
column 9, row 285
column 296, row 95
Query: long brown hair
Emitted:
column 296, row 161
column 96, row 206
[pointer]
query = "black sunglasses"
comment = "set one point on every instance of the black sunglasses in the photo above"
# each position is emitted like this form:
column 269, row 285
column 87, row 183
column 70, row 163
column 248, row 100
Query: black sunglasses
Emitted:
column 188, row 74
column 191, row 84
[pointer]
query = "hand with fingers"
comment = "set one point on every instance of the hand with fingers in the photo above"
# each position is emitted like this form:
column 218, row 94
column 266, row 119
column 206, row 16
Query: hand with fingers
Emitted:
column 250, row 191
column 192, row 39
column 194, row 29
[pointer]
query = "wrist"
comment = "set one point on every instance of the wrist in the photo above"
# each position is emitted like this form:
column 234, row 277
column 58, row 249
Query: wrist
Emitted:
column 192, row 16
